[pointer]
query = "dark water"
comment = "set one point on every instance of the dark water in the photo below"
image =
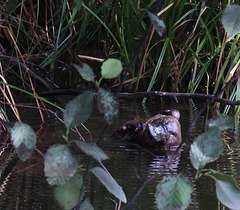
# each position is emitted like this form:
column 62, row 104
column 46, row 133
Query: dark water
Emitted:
column 26, row 188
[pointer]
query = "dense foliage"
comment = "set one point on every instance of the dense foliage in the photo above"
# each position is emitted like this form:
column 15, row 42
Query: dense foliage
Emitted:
column 195, row 57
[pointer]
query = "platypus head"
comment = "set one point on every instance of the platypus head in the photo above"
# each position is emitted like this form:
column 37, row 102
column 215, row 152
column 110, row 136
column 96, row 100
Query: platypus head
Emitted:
column 130, row 130
column 172, row 112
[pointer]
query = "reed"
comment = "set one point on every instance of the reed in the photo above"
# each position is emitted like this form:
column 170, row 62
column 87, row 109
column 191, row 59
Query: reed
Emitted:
column 52, row 34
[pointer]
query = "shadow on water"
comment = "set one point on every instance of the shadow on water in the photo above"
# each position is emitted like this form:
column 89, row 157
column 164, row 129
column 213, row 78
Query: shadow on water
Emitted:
column 25, row 186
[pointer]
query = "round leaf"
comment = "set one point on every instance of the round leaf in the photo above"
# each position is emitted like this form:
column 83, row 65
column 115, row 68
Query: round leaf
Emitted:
column 60, row 164
column 78, row 110
column 227, row 190
column 206, row 148
column 231, row 20
column 111, row 68
column 173, row 192
column 24, row 140
column 67, row 194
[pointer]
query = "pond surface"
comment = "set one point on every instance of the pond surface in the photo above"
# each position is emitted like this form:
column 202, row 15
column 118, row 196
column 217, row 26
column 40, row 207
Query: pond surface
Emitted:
column 26, row 188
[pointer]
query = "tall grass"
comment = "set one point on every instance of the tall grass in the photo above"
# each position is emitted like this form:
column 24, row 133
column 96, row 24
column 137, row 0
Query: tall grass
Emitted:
column 51, row 34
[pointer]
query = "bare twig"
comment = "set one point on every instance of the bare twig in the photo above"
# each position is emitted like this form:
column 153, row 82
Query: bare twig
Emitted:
column 131, row 202
column 149, row 94
column 91, row 58
column 47, row 110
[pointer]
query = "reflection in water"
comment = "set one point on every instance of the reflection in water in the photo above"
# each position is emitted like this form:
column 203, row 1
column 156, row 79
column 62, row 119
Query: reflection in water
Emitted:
column 158, row 167
column 26, row 188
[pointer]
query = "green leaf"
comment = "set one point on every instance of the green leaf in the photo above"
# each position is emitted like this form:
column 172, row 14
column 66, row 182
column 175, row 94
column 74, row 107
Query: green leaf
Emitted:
column 85, row 71
column 67, row 194
column 157, row 22
column 11, row 5
column 222, row 122
column 173, row 192
column 231, row 20
column 109, row 183
column 60, row 164
column 227, row 190
column 206, row 148
column 108, row 105
column 78, row 110
column 24, row 140
column 111, row 68
column 92, row 149
column 86, row 205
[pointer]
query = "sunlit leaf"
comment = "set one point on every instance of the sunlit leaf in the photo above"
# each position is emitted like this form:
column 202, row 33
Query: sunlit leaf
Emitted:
column 92, row 149
column 60, row 164
column 67, row 194
column 111, row 68
column 222, row 122
column 227, row 190
column 23, row 139
column 86, row 205
column 206, row 148
column 173, row 192
column 157, row 22
column 109, row 183
column 85, row 71
column 78, row 110
column 108, row 105
column 231, row 20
